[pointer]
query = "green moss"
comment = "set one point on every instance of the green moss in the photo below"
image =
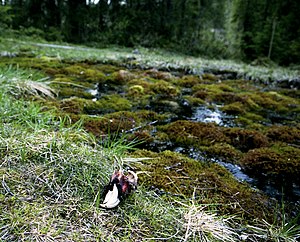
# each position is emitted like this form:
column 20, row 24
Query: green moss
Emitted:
column 254, row 117
column 194, row 101
column 73, row 105
column 136, row 91
column 292, row 93
column 235, row 108
column 209, row 88
column 290, row 135
column 154, row 73
column 62, row 79
column 222, row 151
column 191, row 133
column 225, row 98
column 146, row 85
column 250, row 121
column 248, row 102
column 201, row 94
column 275, row 102
column 142, row 136
column 139, row 117
column 108, row 104
column 245, row 140
column 66, row 87
column 243, row 85
column 119, row 121
column 239, row 99
column 164, row 89
column 139, row 96
column 50, row 67
column 85, row 72
column 68, row 81
column 66, row 92
column 220, row 93
column 77, row 70
column 121, row 77
column 188, row 81
column 107, row 69
column 226, row 88
column 106, row 126
column 210, row 183
column 211, row 77
column 94, row 76
column 279, row 160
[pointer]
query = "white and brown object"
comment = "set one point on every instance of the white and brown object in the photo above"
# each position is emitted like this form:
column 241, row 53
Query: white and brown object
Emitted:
column 119, row 187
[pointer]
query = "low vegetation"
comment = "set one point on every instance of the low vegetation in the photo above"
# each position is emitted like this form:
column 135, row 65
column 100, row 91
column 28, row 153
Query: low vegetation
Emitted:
column 70, row 117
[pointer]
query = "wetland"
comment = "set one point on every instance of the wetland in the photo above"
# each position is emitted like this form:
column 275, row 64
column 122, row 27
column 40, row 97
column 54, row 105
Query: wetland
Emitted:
column 214, row 134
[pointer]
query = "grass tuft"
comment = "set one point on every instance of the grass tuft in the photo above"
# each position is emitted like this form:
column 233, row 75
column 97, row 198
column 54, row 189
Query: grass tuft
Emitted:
column 20, row 83
column 288, row 232
column 203, row 225
column 207, row 226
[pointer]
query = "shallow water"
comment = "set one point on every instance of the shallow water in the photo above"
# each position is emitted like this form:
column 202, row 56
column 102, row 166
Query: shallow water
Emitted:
column 290, row 192
column 207, row 115
column 236, row 170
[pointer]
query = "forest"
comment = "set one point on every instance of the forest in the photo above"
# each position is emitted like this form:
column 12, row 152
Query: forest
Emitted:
column 254, row 31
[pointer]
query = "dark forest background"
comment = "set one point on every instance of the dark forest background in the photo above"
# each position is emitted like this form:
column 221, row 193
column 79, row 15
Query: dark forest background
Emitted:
column 237, row 29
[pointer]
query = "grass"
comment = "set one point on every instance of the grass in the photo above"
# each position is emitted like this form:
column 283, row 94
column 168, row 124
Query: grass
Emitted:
column 287, row 232
column 207, row 225
column 52, row 172
column 148, row 58
column 29, row 85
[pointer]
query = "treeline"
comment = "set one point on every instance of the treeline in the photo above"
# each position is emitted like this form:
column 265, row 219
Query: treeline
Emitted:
column 241, row 29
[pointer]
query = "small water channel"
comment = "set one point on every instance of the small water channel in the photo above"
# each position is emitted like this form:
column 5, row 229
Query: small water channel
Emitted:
column 207, row 115
column 270, row 185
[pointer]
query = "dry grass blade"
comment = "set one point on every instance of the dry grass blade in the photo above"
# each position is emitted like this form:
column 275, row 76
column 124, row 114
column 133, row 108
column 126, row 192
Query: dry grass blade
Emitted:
column 34, row 88
column 207, row 226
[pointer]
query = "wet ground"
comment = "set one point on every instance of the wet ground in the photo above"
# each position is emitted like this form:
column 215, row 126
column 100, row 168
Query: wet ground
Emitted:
column 248, row 127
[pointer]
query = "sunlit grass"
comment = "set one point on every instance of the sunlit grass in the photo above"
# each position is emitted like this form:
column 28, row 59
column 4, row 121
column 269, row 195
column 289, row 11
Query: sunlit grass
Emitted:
column 149, row 58
column 202, row 224
column 52, row 174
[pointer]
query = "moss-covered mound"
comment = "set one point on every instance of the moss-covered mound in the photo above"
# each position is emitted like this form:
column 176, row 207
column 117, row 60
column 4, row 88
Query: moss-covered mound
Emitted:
column 175, row 174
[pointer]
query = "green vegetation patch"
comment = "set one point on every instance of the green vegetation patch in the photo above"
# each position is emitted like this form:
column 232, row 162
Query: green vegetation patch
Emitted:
column 175, row 174
column 287, row 134
column 279, row 161
column 194, row 133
